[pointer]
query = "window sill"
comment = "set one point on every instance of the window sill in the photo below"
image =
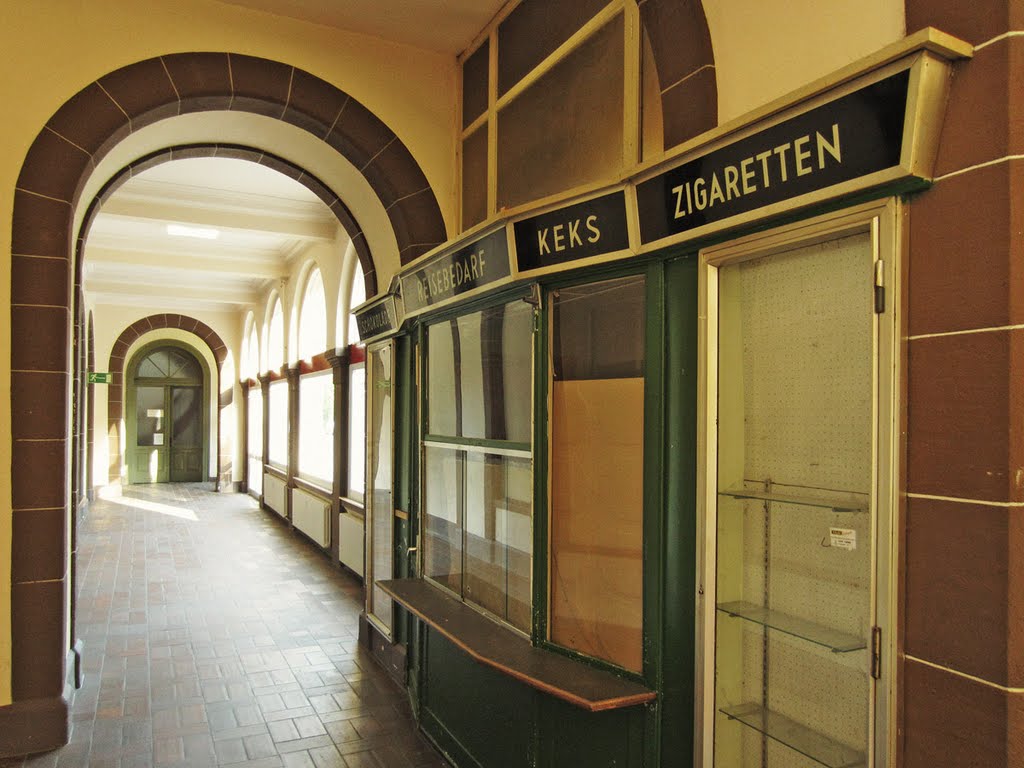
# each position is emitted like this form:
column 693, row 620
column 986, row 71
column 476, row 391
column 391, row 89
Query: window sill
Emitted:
column 313, row 487
column 486, row 641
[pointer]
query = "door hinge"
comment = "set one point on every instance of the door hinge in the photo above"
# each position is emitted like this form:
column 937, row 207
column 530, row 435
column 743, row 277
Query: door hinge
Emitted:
column 876, row 652
column 879, row 287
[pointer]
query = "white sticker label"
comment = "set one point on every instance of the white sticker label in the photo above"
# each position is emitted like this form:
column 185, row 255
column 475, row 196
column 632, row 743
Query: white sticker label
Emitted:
column 158, row 438
column 842, row 538
column 155, row 413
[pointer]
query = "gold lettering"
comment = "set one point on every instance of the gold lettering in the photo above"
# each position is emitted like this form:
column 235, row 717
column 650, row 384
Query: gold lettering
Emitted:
column 832, row 149
column 763, row 157
column 732, row 177
column 716, row 190
column 595, row 232
column 781, row 151
column 746, row 174
column 678, row 192
column 700, row 194
column 559, row 238
column 802, row 155
column 574, row 233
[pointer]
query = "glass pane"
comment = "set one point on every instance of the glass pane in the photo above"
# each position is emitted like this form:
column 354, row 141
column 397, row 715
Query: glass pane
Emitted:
column 480, row 374
column 474, row 83
column 380, row 505
column 183, row 366
column 534, row 30
column 316, row 427
column 498, row 536
column 474, row 178
column 150, row 418
column 442, row 527
column 597, row 436
column 566, row 129
column 794, row 531
column 155, row 366
column 186, row 405
column 313, row 322
column 357, row 432
column 277, row 450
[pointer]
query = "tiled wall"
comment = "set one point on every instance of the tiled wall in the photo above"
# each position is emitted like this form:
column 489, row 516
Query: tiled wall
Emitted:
column 59, row 161
column 963, row 600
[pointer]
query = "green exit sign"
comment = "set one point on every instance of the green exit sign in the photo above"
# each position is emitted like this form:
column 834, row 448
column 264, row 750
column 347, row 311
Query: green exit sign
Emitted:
column 100, row 378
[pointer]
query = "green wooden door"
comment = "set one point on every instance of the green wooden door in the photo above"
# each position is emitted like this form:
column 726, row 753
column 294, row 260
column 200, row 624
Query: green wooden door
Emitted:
column 166, row 424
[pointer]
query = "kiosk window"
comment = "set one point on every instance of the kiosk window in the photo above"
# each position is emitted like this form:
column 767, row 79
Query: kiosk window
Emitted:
column 477, row 460
column 597, row 430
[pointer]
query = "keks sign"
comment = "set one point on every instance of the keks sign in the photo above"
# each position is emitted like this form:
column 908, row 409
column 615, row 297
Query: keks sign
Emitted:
column 855, row 135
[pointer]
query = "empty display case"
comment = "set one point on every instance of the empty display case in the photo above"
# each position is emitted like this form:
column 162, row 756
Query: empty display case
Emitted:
column 796, row 528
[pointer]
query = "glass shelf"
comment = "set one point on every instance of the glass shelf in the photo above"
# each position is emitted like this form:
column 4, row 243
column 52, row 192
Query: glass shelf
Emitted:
column 800, row 738
column 807, row 500
column 835, row 641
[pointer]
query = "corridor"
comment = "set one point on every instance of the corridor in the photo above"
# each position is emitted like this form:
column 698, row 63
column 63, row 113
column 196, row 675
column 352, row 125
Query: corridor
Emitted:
column 214, row 636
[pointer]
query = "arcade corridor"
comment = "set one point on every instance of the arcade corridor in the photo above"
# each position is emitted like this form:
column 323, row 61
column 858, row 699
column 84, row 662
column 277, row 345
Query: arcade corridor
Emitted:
column 215, row 637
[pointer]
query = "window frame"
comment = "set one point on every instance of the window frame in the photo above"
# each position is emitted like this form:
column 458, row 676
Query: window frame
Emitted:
column 487, row 446
column 277, row 385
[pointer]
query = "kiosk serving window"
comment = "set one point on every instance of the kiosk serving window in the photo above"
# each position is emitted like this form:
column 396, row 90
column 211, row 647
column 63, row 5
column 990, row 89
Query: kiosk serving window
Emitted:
column 477, row 459
column 597, row 460
column 801, row 514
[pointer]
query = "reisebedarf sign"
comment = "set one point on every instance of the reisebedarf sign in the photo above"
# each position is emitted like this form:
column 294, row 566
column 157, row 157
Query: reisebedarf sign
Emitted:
column 855, row 135
column 443, row 277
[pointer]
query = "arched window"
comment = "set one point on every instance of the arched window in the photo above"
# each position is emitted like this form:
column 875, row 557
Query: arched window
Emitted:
column 313, row 318
column 275, row 338
column 251, row 355
column 358, row 296
column 316, row 389
column 277, row 426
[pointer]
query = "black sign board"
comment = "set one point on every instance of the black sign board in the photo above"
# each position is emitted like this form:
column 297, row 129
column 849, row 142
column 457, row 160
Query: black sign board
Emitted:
column 377, row 320
column 577, row 231
column 855, row 135
column 472, row 266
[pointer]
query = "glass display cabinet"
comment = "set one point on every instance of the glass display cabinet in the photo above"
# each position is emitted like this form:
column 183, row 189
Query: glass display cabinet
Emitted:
column 799, row 516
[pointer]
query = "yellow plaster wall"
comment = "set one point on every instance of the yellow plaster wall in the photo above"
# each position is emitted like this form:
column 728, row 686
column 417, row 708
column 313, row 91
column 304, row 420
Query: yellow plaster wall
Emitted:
column 50, row 49
column 766, row 48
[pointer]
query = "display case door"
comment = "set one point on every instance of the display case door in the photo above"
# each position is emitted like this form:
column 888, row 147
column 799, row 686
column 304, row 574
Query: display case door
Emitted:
column 800, row 501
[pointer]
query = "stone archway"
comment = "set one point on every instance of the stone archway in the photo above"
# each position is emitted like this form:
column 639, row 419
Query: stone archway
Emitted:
column 119, row 358
column 44, row 280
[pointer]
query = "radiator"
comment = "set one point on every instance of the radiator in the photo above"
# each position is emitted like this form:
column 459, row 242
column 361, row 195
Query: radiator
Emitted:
column 311, row 515
column 350, row 541
column 274, row 493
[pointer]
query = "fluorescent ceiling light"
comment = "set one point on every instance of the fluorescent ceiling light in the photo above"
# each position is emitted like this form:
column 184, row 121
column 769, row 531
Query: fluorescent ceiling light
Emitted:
column 203, row 233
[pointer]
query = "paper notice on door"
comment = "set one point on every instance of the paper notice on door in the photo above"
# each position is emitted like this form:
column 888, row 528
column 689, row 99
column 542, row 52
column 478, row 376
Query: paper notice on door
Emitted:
column 158, row 438
column 842, row 538
column 155, row 413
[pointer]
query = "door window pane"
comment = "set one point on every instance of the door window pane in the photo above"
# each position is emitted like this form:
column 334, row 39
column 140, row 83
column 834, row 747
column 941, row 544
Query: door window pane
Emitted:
column 597, row 460
column 149, row 415
column 186, row 414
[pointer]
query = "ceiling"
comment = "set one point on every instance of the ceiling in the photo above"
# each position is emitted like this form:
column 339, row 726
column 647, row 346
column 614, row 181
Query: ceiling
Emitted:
column 448, row 26
column 256, row 221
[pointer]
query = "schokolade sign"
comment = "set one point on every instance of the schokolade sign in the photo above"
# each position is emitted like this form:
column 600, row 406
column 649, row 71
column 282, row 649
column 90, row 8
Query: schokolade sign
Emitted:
column 448, row 275
column 855, row 135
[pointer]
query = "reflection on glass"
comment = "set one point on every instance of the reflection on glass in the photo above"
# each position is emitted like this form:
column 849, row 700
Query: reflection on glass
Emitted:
column 277, row 449
column 597, row 418
column 379, row 503
column 479, row 530
column 477, row 465
column 357, row 431
column 185, row 404
column 316, row 427
column 479, row 373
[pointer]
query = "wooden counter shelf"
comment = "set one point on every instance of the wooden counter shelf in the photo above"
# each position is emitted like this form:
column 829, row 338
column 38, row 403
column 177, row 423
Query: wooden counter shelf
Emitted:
column 489, row 643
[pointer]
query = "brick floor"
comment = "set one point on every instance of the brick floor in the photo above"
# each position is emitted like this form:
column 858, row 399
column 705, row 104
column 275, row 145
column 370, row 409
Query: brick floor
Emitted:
column 216, row 637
